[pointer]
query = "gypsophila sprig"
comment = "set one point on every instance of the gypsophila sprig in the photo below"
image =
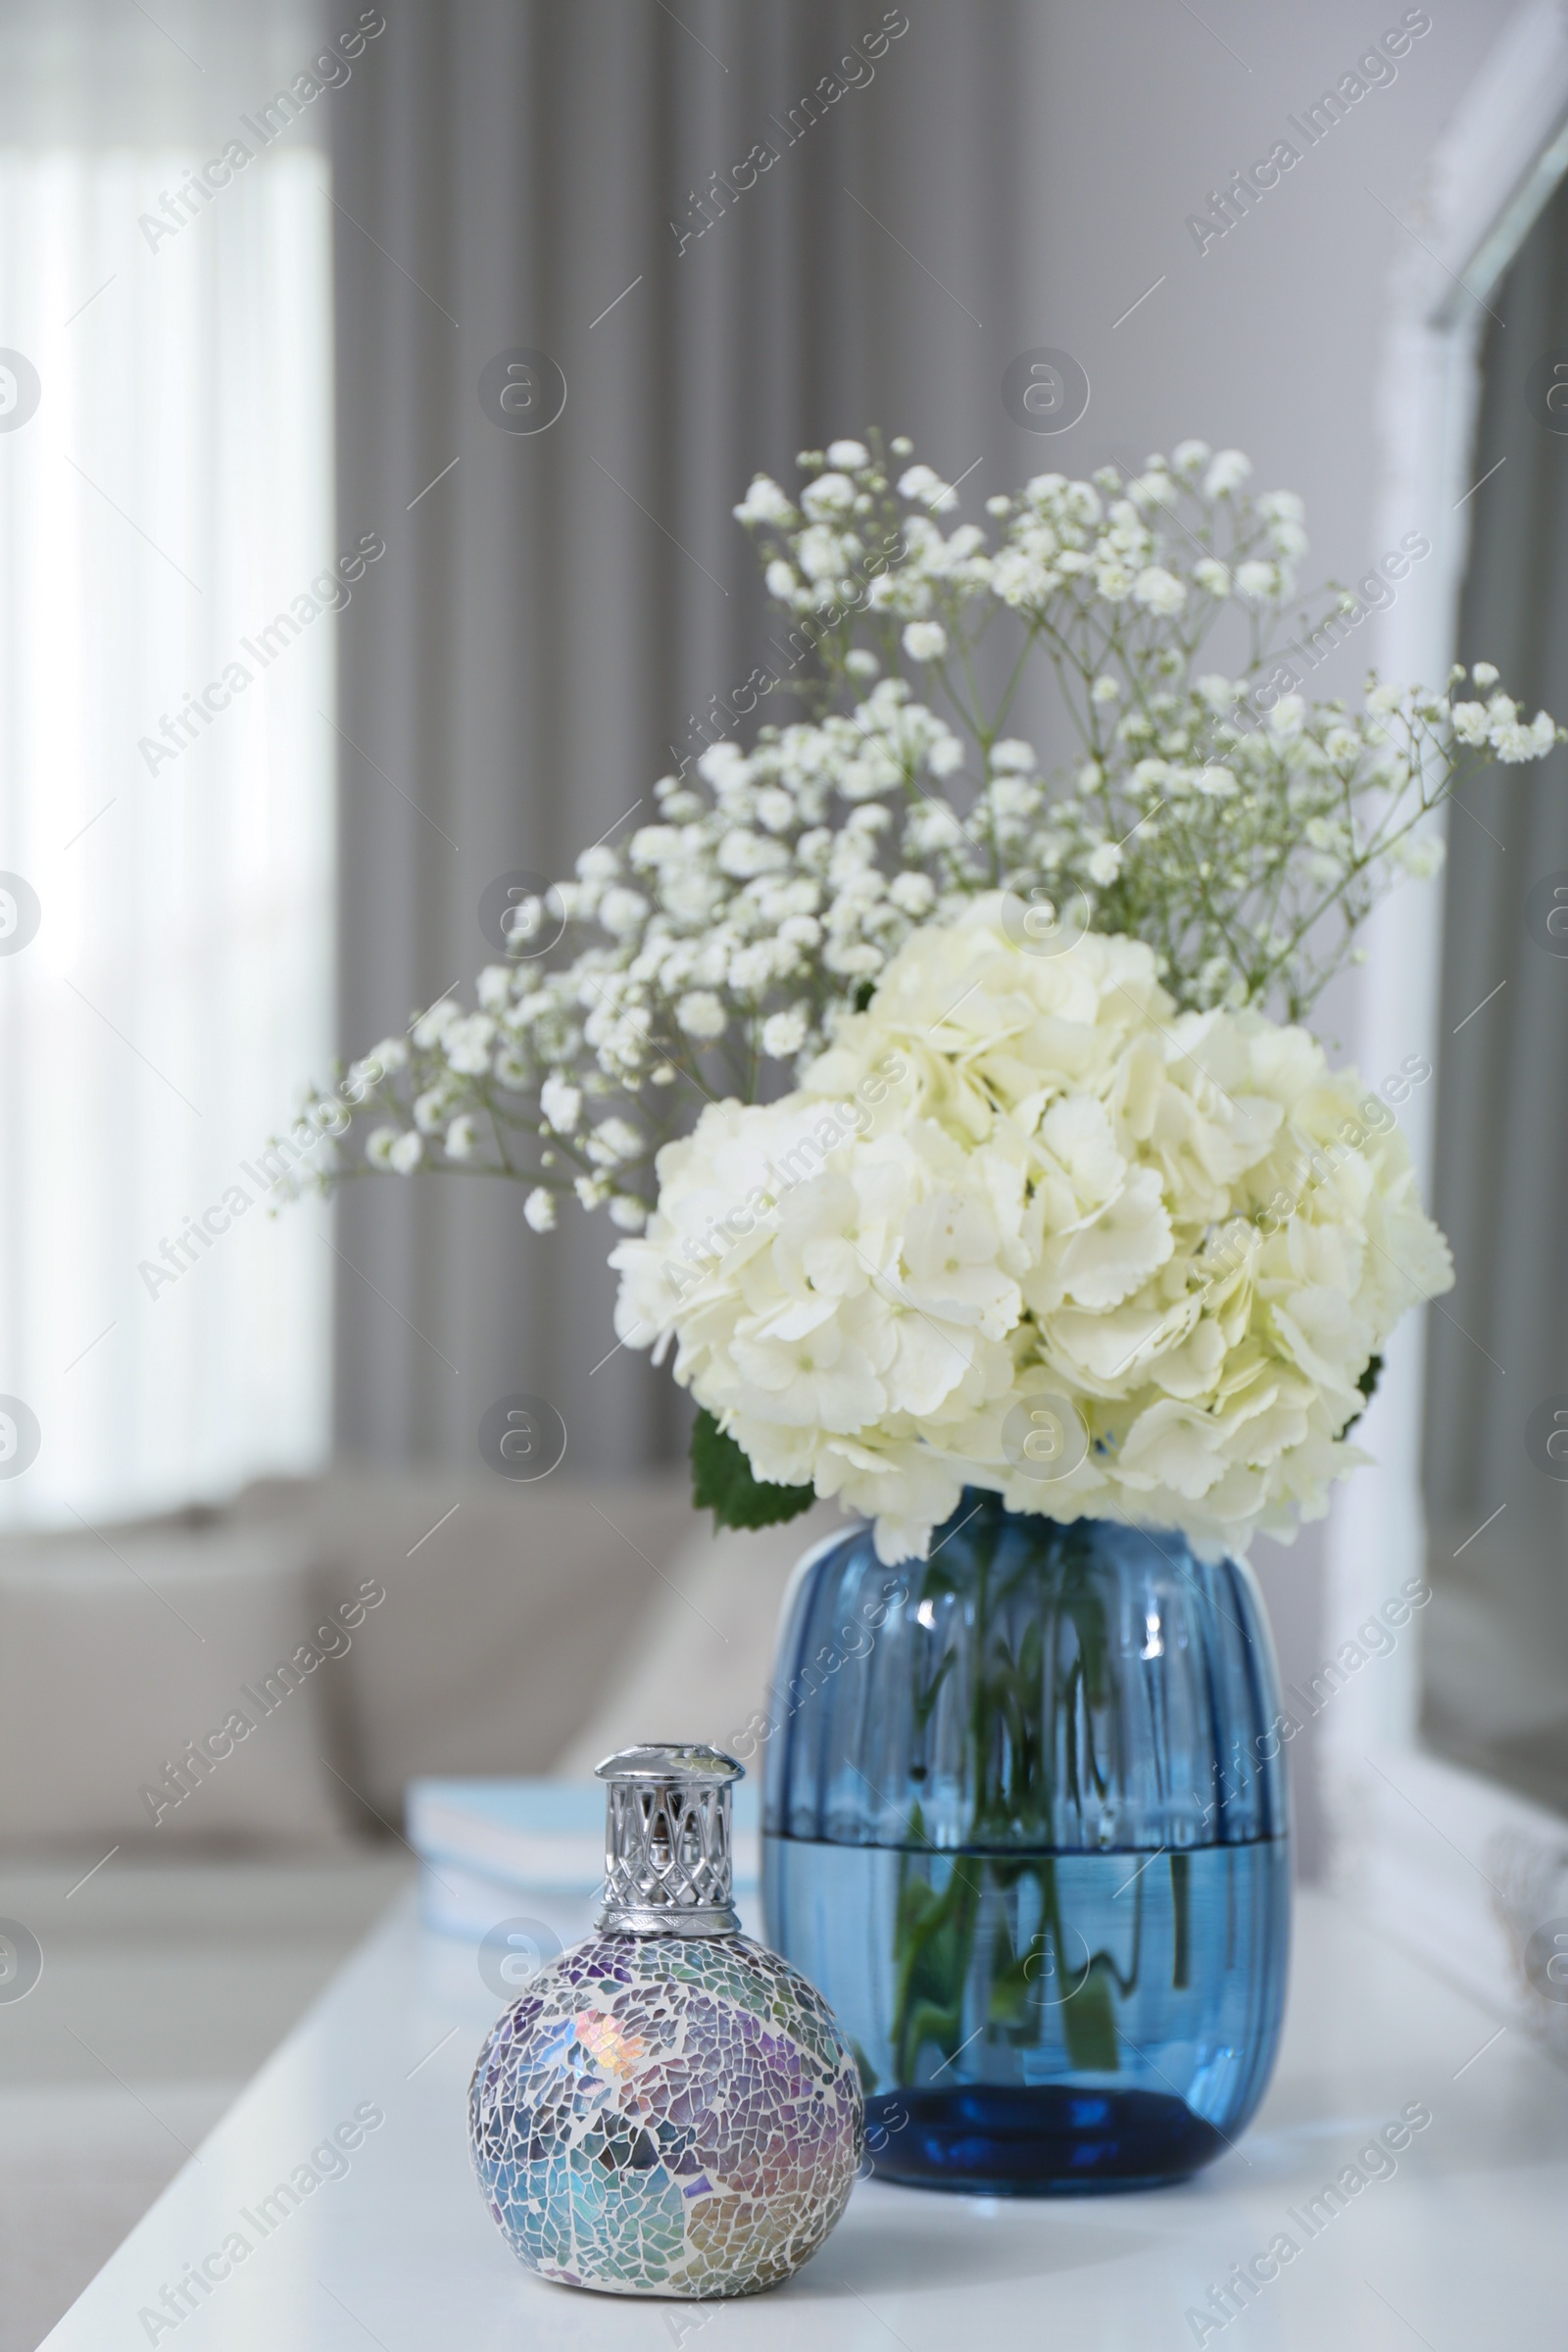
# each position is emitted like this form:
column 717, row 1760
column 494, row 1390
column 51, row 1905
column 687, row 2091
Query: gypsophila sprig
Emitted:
column 1240, row 831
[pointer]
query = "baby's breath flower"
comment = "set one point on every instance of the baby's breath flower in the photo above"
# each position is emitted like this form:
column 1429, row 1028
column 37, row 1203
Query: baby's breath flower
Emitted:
column 766, row 502
column 561, row 1103
column 1256, row 583
column 1229, row 471
column 925, row 641
column 1158, row 591
column 928, row 488
column 785, row 1033
column 702, row 1014
column 1240, row 830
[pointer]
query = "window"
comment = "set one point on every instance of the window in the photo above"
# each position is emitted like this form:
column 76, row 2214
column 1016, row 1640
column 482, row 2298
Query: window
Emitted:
column 166, row 788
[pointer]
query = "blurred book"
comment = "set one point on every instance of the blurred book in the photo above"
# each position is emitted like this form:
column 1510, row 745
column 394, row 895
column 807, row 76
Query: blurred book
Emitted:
column 484, row 1844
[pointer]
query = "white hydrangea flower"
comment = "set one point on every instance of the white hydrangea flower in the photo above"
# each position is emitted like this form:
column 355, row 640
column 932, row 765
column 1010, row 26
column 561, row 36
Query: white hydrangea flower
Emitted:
column 1178, row 1220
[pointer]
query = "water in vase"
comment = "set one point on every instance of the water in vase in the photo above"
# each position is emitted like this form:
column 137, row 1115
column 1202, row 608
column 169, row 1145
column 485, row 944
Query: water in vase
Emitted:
column 1043, row 2022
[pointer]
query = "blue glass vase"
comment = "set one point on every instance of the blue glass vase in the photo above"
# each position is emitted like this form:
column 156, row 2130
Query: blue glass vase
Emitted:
column 1026, row 1828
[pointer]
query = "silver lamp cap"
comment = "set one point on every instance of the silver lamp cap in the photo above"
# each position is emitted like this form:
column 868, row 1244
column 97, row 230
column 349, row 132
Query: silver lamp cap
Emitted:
column 667, row 1841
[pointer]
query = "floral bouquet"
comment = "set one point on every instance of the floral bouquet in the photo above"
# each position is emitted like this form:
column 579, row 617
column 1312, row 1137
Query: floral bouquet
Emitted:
column 959, row 1117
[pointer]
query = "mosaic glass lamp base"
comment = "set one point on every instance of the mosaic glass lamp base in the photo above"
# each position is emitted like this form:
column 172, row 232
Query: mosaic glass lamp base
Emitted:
column 667, row 2110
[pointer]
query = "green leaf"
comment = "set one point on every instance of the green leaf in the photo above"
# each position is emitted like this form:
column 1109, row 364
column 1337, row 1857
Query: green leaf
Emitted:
column 1367, row 1384
column 724, row 1483
column 1089, row 2024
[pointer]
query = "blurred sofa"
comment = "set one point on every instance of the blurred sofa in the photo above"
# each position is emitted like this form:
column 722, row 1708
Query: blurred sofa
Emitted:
column 265, row 1680
column 207, row 1723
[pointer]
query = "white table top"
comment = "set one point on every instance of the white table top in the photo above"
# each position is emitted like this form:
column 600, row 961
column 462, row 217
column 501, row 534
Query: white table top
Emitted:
column 1461, row 2248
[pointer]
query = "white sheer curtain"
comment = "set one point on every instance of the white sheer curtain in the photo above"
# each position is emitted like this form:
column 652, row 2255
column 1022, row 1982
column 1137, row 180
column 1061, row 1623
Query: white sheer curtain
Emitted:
column 169, row 495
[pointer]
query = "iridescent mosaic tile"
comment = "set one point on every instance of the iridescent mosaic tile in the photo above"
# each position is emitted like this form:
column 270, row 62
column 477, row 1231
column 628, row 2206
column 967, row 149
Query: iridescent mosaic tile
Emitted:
column 666, row 2115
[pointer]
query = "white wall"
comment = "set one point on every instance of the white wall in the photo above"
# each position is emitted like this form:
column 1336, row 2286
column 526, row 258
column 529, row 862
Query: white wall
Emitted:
column 1270, row 340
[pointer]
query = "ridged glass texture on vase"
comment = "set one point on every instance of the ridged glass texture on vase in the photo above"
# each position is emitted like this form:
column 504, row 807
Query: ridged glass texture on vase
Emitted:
column 1026, row 1828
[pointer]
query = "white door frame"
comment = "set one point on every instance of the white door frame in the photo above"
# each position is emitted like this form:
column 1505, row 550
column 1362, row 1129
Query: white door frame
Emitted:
column 1427, row 1850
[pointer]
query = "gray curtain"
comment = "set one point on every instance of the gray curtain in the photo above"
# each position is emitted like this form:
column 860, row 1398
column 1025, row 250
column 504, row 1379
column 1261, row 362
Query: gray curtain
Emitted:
column 1496, row 1680
column 552, row 616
